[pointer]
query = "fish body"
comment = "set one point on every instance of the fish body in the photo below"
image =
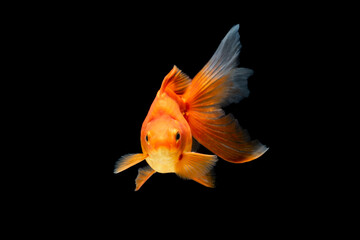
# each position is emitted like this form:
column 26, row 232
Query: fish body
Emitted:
column 186, row 108
column 159, row 134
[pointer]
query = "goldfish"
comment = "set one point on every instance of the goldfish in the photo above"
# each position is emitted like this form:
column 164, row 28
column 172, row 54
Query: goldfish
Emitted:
column 185, row 109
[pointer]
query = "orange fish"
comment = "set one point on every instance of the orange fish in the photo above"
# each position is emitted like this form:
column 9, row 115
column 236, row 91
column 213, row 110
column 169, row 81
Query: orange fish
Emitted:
column 184, row 109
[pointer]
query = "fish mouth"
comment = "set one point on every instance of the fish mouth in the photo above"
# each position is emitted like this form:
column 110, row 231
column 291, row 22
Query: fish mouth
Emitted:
column 163, row 160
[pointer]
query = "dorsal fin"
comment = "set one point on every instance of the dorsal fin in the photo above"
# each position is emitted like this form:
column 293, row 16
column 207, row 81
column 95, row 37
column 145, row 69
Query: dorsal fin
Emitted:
column 176, row 80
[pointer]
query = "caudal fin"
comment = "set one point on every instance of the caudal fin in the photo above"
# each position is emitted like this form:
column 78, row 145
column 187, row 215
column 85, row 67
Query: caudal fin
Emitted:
column 218, row 84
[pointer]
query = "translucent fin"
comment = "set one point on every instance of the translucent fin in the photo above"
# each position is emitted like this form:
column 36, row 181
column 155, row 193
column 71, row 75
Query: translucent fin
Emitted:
column 176, row 80
column 195, row 145
column 223, row 136
column 196, row 166
column 143, row 175
column 220, row 82
column 206, row 180
column 127, row 161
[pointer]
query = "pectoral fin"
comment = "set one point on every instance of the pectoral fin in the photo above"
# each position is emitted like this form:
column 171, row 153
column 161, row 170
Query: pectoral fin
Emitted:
column 143, row 175
column 206, row 180
column 127, row 161
column 196, row 166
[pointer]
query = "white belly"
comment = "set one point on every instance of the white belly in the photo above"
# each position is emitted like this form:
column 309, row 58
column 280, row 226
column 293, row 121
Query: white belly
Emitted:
column 162, row 161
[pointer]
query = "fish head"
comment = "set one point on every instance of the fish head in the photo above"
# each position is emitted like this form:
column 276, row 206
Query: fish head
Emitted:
column 164, row 139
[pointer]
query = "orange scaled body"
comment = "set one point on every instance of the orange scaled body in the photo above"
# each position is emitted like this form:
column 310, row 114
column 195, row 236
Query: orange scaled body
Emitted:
column 184, row 109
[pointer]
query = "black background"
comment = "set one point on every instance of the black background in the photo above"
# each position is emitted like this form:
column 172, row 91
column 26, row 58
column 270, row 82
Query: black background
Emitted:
column 97, row 70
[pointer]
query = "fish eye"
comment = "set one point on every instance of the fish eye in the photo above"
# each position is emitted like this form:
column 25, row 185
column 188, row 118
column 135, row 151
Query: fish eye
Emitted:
column 147, row 137
column 177, row 136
